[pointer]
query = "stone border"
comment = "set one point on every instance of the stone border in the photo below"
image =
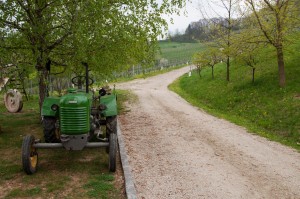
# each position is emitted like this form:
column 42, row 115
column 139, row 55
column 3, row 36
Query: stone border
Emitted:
column 129, row 181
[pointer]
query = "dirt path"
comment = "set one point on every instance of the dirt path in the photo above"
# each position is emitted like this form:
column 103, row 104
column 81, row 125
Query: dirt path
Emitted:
column 178, row 151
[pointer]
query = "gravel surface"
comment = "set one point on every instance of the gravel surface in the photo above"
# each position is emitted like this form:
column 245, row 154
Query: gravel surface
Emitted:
column 178, row 151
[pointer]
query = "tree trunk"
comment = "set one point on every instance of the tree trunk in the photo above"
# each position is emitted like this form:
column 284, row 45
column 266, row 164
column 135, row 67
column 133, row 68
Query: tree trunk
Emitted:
column 199, row 71
column 43, row 92
column 253, row 73
column 280, row 61
column 228, row 65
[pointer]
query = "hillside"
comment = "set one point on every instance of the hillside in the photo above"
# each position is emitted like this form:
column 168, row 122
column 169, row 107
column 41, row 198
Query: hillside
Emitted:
column 262, row 107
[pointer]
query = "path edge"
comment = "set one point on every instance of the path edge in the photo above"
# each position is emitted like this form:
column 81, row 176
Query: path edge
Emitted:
column 129, row 180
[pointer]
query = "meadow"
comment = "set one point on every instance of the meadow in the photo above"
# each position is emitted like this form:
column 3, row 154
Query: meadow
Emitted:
column 179, row 52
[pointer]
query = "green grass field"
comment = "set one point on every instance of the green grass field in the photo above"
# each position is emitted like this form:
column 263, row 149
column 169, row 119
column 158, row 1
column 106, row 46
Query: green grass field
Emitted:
column 61, row 173
column 178, row 52
column 263, row 107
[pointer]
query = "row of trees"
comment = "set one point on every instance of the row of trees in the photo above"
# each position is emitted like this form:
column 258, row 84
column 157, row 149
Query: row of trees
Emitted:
column 61, row 34
column 248, row 26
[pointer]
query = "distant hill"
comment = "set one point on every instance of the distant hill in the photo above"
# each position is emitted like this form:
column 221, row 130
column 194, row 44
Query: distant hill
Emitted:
column 202, row 30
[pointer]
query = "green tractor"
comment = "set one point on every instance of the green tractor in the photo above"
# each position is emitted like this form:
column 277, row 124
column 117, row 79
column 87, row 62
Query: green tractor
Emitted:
column 73, row 121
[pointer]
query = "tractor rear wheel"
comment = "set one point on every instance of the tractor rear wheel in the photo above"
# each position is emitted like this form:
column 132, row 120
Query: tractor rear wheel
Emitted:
column 50, row 133
column 111, row 125
column 29, row 155
column 112, row 152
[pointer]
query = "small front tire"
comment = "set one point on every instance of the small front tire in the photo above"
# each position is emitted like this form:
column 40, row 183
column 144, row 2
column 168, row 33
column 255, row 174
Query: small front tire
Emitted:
column 29, row 155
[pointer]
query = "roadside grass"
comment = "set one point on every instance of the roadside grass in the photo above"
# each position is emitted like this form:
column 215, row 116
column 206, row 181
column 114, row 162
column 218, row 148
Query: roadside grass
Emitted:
column 123, row 97
column 263, row 107
column 61, row 173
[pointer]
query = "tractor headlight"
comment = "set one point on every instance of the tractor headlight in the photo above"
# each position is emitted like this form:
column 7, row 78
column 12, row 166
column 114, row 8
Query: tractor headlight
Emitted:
column 54, row 107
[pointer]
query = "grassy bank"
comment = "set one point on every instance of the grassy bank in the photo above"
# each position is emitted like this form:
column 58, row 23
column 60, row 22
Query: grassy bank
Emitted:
column 61, row 173
column 263, row 107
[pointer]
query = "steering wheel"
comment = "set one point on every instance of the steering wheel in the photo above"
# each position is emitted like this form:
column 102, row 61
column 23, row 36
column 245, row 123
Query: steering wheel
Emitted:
column 80, row 80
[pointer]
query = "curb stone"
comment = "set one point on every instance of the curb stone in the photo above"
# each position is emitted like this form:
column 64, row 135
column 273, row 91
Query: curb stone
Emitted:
column 129, row 181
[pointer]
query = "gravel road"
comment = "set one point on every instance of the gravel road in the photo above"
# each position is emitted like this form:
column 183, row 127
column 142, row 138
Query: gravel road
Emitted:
column 178, row 151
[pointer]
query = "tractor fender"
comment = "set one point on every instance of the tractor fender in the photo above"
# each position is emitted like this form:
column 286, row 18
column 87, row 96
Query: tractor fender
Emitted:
column 110, row 101
column 46, row 107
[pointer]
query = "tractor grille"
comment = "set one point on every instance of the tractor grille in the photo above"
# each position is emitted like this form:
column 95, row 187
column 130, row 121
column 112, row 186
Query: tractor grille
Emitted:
column 74, row 120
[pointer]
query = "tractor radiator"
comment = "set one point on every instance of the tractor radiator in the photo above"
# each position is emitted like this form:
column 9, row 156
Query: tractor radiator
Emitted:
column 74, row 120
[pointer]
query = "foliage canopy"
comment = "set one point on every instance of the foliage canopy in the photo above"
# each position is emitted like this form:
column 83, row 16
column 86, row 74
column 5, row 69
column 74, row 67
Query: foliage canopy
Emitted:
column 105, row 34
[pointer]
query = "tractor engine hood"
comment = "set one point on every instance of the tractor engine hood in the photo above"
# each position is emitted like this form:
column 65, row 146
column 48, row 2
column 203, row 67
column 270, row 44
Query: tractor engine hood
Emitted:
column 74, row 113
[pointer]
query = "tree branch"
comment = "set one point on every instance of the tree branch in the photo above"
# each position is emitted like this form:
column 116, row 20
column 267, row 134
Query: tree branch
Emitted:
column 58, row 41
column 259, row 22
column 30, row 17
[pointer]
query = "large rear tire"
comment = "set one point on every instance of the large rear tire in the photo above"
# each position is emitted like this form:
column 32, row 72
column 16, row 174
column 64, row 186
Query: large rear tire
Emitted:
column 50, row 131
column 112, row 152
column 111, row 125
column 29, row 155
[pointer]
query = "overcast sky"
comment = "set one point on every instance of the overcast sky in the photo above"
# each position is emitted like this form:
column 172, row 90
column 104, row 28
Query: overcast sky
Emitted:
column 181, row 22
column 193, row 14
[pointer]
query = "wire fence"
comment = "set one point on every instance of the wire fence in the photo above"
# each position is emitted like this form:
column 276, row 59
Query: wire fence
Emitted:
column 137, row 70
column 57, row 85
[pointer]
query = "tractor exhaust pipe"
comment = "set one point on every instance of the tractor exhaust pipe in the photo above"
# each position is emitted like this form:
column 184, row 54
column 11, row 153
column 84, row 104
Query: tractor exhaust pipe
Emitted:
column 86, row 77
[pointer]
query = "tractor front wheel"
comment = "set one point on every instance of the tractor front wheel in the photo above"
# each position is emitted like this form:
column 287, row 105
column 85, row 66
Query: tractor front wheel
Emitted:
column 112, row 152
column 29, row 155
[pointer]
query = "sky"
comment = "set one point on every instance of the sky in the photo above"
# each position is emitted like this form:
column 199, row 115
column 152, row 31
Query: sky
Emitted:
column 193, row 14
column 181, row 22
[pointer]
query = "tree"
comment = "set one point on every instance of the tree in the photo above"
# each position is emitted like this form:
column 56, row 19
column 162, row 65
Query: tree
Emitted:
column 214, row 57
column 248, row 54
column 223, row 25
column 64, row 32
column 200, row 60
column 247, row 46
column 276, row 18
column 41, row 27
column 209, row 57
